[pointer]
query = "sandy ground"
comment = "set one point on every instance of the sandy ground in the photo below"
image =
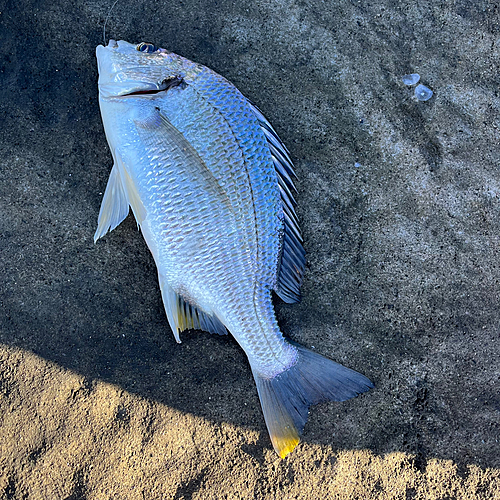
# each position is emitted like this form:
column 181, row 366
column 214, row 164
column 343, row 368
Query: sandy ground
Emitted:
column 399, row 206
column 64, row 436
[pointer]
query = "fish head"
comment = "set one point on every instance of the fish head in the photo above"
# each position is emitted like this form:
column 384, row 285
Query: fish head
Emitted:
column 126, row 69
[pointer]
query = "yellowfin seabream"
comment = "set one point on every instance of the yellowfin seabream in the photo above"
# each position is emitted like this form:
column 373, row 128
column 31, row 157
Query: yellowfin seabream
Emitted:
column 210, row 184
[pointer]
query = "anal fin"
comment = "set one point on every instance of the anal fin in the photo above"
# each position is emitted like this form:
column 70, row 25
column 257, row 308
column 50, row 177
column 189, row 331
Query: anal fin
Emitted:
column 114, row 206
column 184, row 316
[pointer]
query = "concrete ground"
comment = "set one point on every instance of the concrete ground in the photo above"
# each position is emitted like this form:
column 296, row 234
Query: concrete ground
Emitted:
column 399, row 206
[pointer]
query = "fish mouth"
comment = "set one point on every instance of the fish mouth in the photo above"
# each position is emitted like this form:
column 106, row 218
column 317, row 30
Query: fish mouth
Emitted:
column 164, row 86
column 142, row 89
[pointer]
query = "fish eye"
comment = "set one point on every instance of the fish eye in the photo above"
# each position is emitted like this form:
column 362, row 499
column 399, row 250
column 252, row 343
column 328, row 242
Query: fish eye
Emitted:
column 146, row 47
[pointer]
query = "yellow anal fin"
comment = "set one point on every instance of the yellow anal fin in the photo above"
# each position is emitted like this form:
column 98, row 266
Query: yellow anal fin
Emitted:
column 183, row 316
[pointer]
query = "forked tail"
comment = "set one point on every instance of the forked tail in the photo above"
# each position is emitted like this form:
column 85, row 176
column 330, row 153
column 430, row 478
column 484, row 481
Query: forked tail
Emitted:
column 286, row 398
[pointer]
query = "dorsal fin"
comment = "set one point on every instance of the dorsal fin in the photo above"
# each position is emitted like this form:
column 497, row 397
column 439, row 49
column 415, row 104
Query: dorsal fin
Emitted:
column 292, row 260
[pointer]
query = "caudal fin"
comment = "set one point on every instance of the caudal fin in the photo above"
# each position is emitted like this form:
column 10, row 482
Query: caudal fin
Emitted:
column 286, row 398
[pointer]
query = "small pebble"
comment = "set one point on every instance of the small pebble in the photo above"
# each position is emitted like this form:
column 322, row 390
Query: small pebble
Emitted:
column 422, row 93
column 411, row 79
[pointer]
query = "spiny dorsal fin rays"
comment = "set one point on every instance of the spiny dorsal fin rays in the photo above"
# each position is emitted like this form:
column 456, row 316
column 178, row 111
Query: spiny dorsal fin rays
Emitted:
column 278, row 165
column 265, row 124
column 292, row 259
column 288, row 193
column 278, row 149
column 284, row 160
column 289, row 202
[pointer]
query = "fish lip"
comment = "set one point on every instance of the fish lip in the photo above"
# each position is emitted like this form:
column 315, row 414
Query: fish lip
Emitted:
column 145, row 90
column 112, row 44
column 136, row 90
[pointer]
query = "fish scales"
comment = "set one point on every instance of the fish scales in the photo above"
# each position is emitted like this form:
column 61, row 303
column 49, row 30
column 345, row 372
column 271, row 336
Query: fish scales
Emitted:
column 210, row 184
column 245, row 184
column 216, row 110
column 175, row 249
column 227, row 164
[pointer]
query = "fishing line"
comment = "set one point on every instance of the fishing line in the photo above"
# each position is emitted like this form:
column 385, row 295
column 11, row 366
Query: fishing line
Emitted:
column 106, row 20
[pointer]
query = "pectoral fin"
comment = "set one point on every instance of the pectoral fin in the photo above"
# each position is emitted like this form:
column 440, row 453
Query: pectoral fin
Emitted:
column 121, row 193
column 114, row 206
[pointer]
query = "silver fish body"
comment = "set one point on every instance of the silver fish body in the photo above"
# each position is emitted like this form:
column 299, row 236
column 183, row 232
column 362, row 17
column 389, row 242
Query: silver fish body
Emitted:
column 210, row 185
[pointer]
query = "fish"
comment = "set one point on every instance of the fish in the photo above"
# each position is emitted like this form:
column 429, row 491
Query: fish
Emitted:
column 211, row 186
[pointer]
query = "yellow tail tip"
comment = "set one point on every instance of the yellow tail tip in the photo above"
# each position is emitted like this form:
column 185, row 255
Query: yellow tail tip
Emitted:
column 286, row 397
column 285, row 444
